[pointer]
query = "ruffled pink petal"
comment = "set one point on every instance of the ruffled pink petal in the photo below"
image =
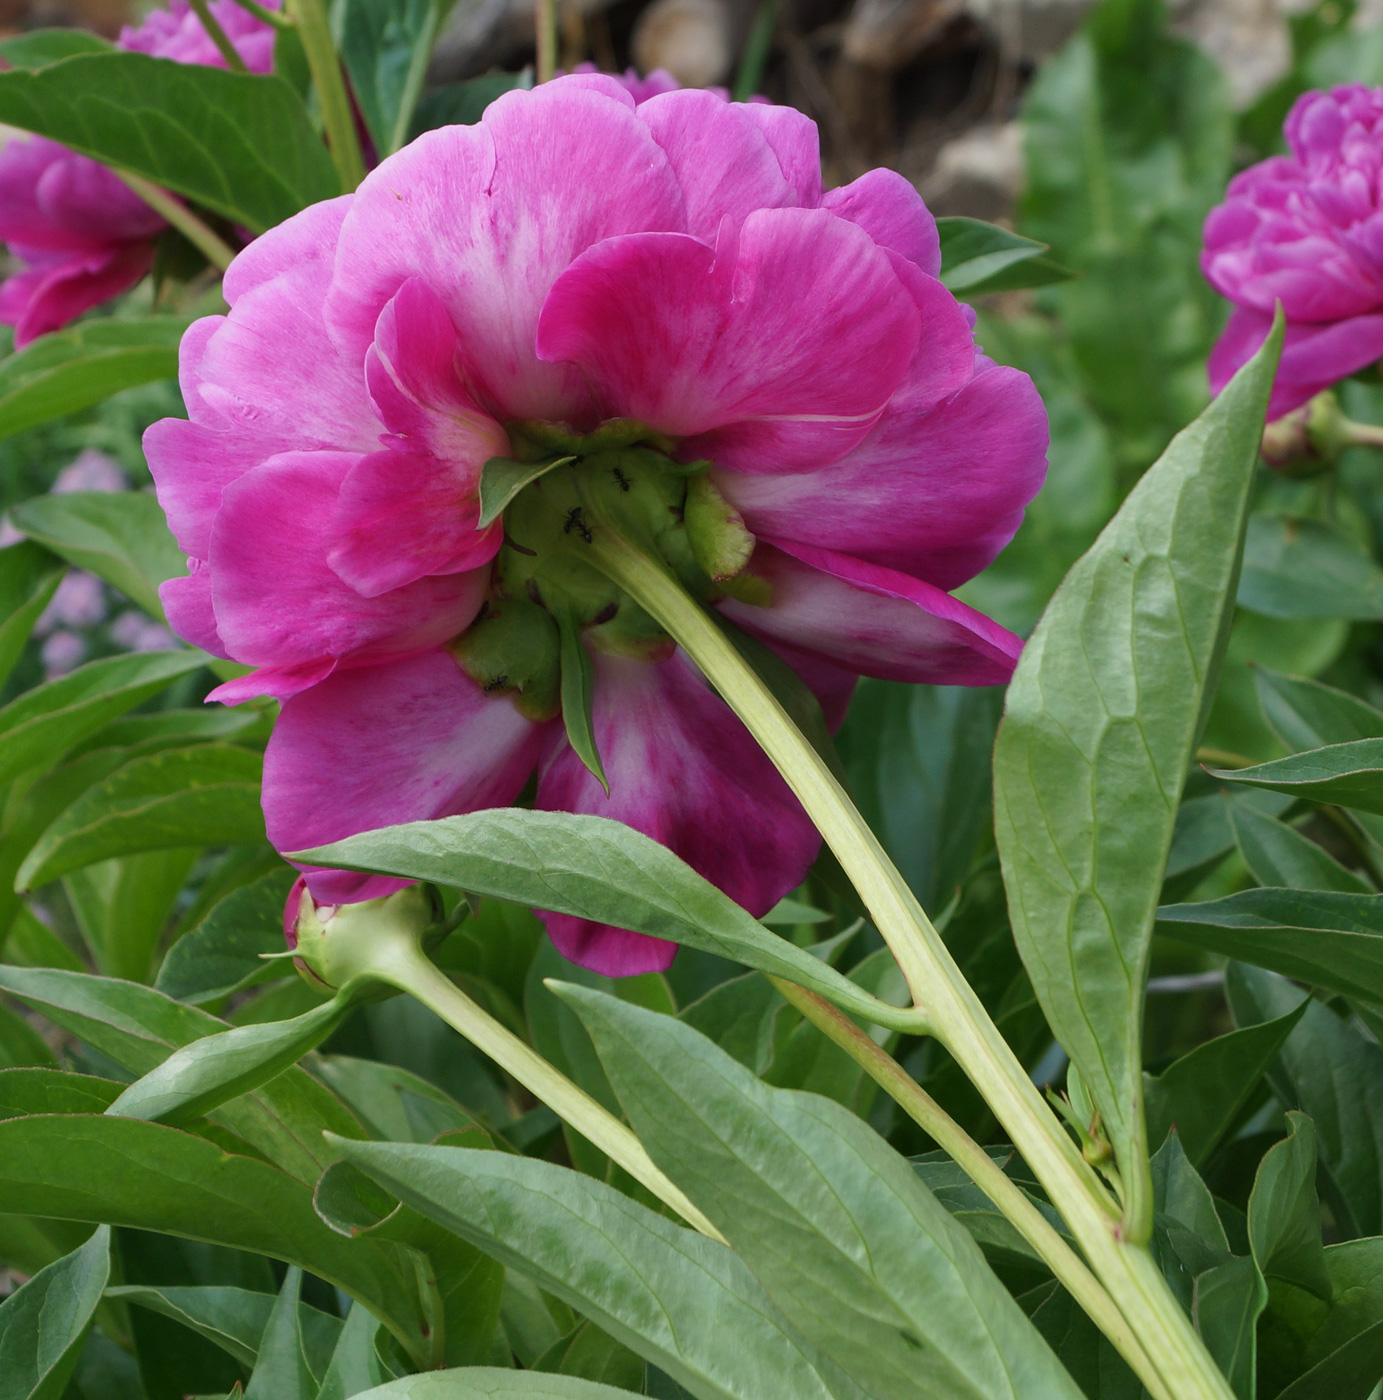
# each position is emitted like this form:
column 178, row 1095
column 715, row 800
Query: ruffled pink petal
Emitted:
column 187, row 606
column 1313, row 356
column 892, row 213
column 50, row 296
column 685, row 771
column 777, row 354
column 794, row 139
column 935, row 493
column 191, row 465
column 277, row 601
column 722, row 161
column 277, row 681
column 489, row 215
column 864, row 618
column 408, row 741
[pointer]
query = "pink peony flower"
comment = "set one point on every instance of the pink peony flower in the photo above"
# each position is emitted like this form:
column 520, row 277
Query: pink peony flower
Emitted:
column 1305, row 230
column 81, row 233
column 506, row 288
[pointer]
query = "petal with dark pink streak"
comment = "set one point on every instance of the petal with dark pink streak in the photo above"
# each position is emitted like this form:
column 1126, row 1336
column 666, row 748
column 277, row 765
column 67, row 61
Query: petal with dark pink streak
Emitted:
column 685, row 771
column 864, row 618
column 406, row 741
column 777, row 354
column 935, row 493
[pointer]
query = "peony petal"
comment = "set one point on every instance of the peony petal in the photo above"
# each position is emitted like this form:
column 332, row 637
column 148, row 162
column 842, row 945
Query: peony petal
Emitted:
column 489, row 215
column 685, row 771
column 48, row 297
column 187, row 606
column 880, row 623
column 778, row 354
column 407, row 741
column 794, row 139
column 277, row 681
column 891, row 212
column 277, row 601
column 934, row 493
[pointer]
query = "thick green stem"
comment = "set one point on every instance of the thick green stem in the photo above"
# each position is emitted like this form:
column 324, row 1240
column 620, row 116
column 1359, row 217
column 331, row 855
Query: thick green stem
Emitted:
column 545, row 19
column 216, row 250
column 400, row 963
column 958, row 1018
column 984, row 1171
column 337, row 117
column 218, row 36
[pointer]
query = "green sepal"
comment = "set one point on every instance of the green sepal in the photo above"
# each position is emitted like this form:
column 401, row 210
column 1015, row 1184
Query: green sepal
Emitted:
column 578, row 697
column 502, row 478
column 719, row 538
column 513, row 648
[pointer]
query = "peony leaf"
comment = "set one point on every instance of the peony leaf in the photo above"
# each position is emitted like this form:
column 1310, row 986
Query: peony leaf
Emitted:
column 29, row 576
column 1307, row 568
column 1347, row 775
column 977, row 258
column 492, row 1383
column 502, row 478
column 40, row 47
column 1279, row 855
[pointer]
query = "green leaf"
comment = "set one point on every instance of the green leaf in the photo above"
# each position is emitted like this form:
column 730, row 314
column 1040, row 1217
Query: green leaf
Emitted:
column 21, row 1046
column 238, row 143
column 1307, row 568
column 40, row 47
column 1202, row 1093
column 36, row 728
column 594, row 1356
column 1333, row 1072
column 41, row 1090
column 1284, row 1214
column 838, row 1228
column 395, row 1104
column 1330, row 940
column 281, row 1371
column 578, row 696
column 1228, row 1301
column 206, row 795
column 492, row 1383
column 463, row 104
column 29, row 576
column 1278, row 855
column 356, row 1364
column 502, row 478
column 1079, row 1345
column 739, row 1016
column 1308, row 715
column 202, row 1076
column 1346, row 1374
column 1349, row 775
column 138, row 1028
column 122, row 907
column 977, row 258
column 1187, row 1221
column 1100, row 726
column 44, row 1323
column 680, row 1300
column 220, row 954
column 385, row 45
column 72, row 369
column 595, row 869
column 122, row 536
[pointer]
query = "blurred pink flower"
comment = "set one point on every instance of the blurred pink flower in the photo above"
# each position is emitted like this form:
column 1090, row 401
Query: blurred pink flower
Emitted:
column 63, row 652
column 136, row 631
column 80, row 601
column 91, row 470
column 573, row 259
column 1306, row 230
column 81, row 234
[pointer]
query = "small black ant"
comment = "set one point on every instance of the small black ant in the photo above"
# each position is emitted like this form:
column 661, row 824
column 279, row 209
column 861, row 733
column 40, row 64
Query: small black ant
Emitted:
column 575, row 522
column 498, row 683
column 624, row 482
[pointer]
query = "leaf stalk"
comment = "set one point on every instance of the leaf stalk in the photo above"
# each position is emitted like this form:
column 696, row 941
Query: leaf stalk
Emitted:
column 202, row 237
column 337, row 116
column 218, row 36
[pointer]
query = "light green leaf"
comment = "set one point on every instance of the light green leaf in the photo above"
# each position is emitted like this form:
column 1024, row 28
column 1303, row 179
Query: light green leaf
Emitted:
column 356, row 1364
column 1278, row 855
column 838, row 1228
column 238, row 143
column 44, row 1323
column 680, row 1300
column 739, row 1016
column 29, row 576
column 40, row 47
column 21, row 1046
column 1307, row 568
column 1349, row 775
column 72, row 369
column 395, row 1104
column 121, row 536
column 977, row 258
column 1330, row 940
column 1100, row 727
column 206, row 795
column 502, row 478
column 1228, row 1301
column 595, row 869
column 1305, row 714
column 492, row 1383
column 122, row 907
column 281, row 1371
column 1284, row 1214
column 578, row 696
column 38, row 726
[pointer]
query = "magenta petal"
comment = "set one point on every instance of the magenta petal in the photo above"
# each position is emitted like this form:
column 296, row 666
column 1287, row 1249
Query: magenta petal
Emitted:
column 489, row 215
column 892, row 213
column 51, row 295
column 278, row 681
column 187, row 606
column 793, row 138
column 872, row 620
column 278, row 603
column 777, row 354
column 407, row 741
column 934, row 493
column 685, row 771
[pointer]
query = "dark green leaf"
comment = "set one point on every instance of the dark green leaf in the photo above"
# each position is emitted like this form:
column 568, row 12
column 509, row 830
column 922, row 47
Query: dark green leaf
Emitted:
column 1308, row 715
column 1228, row 1301
column 385, row 45
column 1277, row 855
column 490, row 1383
column 839, row 1229
column 37, row 727
column 595, row 869
column 44, row 1323
column 1080, row 1346
column 1349, row 1373
column 281, row 1371
column 502, row 478
column 578, row 697
column 1307, row 568
column 72, row 369
column 396, row 1105
column 1100, row 726
column 1284, row 1214
column 1330, row 940
column 120, row 535
column 207, row 795
column 680, row 1300
column 1203, row 1092
column 356, row 1364
column 1188, row 1224
column 21, row 1046
column 1349, row 775
column 29, row 576
column 238, row 143
column 122, row 907
column 594, row 1356
column 463, row 104
column 40, row 47
column 977, row 257
column 42, row 1090
column 739, row 1015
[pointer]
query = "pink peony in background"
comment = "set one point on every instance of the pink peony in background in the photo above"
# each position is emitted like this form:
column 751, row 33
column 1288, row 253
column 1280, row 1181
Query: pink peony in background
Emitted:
column 81, row 233
column 1306, row 230
column 570, row 260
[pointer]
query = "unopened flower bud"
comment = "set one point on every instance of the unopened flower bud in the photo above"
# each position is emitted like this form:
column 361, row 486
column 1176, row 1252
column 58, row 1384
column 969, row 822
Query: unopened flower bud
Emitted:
column 1307, row 441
